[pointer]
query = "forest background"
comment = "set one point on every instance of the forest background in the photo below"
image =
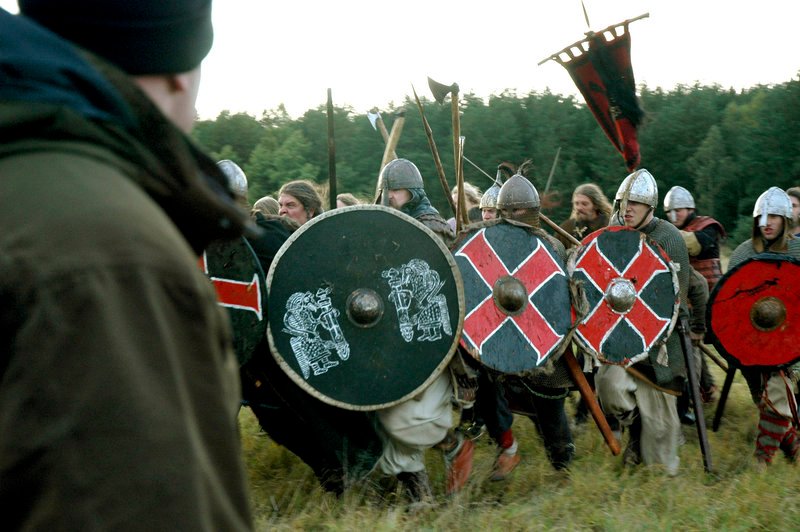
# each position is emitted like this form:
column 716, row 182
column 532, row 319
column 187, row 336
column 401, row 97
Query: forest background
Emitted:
column 726, row 147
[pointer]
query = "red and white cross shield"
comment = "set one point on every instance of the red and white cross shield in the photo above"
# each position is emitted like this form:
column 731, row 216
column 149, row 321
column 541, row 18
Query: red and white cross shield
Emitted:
column 517, row 297
column 631, row 294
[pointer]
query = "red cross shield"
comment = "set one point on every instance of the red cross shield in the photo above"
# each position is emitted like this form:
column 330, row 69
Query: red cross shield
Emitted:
column 754, row 312
column 240, row 283
column 630, row 294
column 516, row 293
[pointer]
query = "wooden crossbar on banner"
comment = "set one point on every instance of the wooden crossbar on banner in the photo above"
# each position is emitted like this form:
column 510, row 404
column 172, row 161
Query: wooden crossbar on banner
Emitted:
column 579, row 44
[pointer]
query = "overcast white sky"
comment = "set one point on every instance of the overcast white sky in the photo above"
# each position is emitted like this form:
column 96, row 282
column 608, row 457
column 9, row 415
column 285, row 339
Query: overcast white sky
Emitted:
column 370, row 52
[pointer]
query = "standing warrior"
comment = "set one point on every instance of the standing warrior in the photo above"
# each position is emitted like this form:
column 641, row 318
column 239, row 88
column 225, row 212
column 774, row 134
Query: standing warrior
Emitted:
column 411, row 427
column 639, row 403
column 772, row 232
column 590, row 212
column 541, row 394
column 702, row 234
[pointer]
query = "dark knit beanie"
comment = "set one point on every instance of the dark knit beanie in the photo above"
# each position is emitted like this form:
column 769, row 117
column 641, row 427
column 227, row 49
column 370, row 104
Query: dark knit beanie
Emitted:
column 139, row 36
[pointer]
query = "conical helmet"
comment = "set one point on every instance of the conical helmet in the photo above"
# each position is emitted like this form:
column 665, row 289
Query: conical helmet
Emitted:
column 640, row 186
column 400, row 173
column 518, row 193
column 678, row 198
column 237, row 181
column 773, row 201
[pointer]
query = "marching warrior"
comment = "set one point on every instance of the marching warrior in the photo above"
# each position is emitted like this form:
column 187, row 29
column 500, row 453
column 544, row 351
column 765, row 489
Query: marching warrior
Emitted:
column 772, row 232
column 339, row 445
column 590, row 212
column 410, row 428
column 647, row 405
column 702, row 234
column 540, row 394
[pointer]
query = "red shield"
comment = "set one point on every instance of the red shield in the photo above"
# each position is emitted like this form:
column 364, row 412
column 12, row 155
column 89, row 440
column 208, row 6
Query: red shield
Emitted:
column 754, row 312
column 517, row 297
column 630, row 289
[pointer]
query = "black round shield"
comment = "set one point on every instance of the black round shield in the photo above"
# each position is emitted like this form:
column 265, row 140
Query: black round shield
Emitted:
column 516, row 293
column 241, row 288
column 754, row 312
column 631, row 294
column 366, row 307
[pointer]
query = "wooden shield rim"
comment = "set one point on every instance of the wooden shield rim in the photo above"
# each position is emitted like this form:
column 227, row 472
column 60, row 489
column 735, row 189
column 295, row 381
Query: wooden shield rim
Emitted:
column 761, row 257
column 456, row 330
column 663, row 255
column 468, row 232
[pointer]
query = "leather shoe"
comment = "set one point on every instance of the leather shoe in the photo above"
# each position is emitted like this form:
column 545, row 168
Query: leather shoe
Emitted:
column 459, row 465
column 504, row 465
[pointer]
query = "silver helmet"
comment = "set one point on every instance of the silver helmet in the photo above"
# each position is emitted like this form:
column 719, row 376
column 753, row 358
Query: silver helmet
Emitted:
column 773, row 201
column 678, row 198
column 640, row 186
column 517, row 193
column 489, row 198
column 400, row 173
column 237, row 181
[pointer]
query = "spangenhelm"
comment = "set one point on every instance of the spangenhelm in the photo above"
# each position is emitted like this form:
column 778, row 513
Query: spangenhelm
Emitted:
column 489, row 198
column 517, row 193
column 773, row 201
column 400, row 173
column 237, row 181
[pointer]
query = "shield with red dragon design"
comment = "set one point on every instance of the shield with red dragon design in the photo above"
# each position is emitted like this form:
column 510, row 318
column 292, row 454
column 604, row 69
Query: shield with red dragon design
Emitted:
column 630, row 294
column 754, row 312
column 516, row 293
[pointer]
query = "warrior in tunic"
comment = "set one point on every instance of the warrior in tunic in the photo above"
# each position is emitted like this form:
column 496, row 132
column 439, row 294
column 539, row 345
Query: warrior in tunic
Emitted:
column 772, row 232
column 647, row 406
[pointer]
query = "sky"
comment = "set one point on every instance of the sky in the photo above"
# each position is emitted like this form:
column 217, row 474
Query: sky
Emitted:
column 370, row 53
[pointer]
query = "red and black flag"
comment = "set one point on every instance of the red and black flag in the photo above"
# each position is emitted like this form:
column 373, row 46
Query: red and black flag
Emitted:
column 600, row 66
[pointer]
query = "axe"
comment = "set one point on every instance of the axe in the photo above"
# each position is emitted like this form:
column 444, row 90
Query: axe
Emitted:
column 440, row 91
column 435, row 152
column 391, row 144
column 377, row 124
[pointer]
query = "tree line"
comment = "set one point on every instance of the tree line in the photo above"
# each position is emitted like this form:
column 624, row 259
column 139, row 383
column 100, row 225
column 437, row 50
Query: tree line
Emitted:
column 726, row 147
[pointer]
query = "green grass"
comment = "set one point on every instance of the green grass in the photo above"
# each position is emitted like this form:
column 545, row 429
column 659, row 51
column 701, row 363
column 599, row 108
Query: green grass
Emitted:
column 596, row 494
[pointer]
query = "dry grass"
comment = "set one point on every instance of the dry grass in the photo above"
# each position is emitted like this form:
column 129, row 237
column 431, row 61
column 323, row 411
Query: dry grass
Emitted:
column 597, row 494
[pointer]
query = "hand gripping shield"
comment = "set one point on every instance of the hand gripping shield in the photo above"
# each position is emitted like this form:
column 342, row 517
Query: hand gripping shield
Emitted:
column 627, row 295
column 241, row 288
column 516, row 293
column 366, row 307
column 754, row 312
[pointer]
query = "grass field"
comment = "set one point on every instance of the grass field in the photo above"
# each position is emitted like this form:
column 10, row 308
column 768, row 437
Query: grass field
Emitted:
column 596, row 494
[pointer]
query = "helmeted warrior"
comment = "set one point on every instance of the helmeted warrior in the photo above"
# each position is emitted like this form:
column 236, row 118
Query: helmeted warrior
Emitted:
column 411, row 427
column 772, row 232
column 237, row 180
column 401, row 187
column 649, row 413
column 488, row 203
column 541, row 393
column 702, row 234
